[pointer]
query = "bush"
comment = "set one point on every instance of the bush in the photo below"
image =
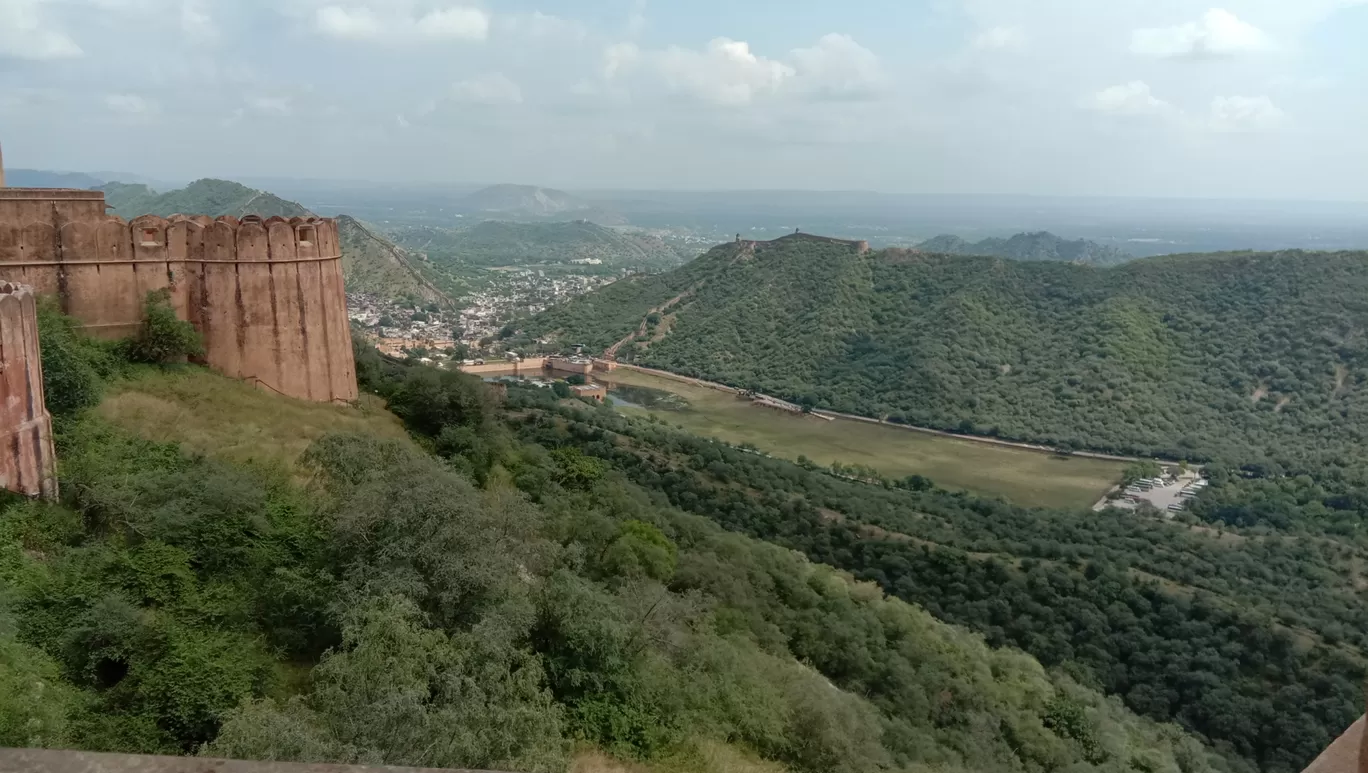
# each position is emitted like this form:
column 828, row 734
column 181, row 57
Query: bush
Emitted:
column 163, row 337
column 74, row 365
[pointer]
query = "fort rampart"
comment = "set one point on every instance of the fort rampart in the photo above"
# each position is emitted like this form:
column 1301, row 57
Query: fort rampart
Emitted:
column 27, row 460
column 265, row 294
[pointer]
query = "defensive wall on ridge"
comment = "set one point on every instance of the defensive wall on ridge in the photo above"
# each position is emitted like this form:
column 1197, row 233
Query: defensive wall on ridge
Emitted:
column 266, row 294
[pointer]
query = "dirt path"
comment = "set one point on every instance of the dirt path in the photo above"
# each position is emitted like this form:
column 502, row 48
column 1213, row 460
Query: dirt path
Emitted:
column 612, row 351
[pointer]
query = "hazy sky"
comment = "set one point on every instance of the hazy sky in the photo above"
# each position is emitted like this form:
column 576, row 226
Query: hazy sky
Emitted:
column 1250, row 98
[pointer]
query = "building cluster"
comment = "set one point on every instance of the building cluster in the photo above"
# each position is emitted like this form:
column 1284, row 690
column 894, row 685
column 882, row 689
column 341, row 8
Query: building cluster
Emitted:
column 398, row 327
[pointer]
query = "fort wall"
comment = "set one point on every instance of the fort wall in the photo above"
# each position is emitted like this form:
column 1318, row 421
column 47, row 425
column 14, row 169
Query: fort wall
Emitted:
column 266, row 295
column 27, row 459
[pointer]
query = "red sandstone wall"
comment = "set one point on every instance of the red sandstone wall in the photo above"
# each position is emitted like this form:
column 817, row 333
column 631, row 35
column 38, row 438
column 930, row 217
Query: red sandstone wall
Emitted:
column 27, row 463
column 266, row 295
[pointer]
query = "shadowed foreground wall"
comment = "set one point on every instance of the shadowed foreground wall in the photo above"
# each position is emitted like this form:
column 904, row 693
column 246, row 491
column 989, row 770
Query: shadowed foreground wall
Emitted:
column 28, row 463
column 46, row 761
column 266, row 295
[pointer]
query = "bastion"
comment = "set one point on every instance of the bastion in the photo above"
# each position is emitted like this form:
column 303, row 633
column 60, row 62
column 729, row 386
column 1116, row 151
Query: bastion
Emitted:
column 265, row 294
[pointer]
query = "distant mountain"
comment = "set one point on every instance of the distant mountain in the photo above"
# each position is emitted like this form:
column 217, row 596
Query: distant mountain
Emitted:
column 38, row 178
column 499, row 243
column 524, row 200
column 1041, row 245
column 374, row 265
column 202, row 197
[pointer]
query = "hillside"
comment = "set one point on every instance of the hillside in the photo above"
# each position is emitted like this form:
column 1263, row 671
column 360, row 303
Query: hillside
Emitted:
column 202, row 197
column 1245, row 357
column 373, row 265
column 38, row 178
column 292, row 581
column 524, row 200
column 1042, row 245
column 500, row 243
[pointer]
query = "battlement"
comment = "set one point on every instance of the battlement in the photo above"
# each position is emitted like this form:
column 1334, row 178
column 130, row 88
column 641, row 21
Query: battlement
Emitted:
column 265, row 293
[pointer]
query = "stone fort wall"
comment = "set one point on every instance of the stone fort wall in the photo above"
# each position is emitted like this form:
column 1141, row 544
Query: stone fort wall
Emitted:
column 266, row 294
column 27, row 459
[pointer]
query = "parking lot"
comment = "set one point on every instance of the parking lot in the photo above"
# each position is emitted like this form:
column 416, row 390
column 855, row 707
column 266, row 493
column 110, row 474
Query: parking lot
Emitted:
column 1168, row 494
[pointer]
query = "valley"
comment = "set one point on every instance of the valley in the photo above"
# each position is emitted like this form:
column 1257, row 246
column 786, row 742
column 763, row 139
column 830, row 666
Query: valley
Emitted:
column 1027, row 477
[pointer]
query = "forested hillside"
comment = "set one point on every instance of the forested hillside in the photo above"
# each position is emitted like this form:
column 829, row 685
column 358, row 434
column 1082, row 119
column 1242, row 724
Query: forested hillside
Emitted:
column 1041, row 245
column 374, row 265
column 498, row 243
column 1253, row 640
column 472, row 596
column 1244, row 357
column 202, row 197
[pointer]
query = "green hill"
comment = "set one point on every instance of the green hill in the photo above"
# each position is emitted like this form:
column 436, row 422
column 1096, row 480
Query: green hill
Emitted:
column 1246, row 357
column 1042, row 245
column 202, row 197
column 499, row 243
column 372, row 264
column 240, row 575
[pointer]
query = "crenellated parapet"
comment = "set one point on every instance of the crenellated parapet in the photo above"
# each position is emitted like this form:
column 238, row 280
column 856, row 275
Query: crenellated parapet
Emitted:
column 27, row 459
column 266, row 294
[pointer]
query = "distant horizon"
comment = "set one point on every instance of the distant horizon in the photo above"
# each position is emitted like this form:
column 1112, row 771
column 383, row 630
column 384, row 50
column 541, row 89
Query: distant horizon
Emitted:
column 136, row 178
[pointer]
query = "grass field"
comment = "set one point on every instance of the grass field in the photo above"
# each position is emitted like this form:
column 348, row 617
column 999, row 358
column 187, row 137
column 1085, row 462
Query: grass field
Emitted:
column 1026, row 477
column 210, row 414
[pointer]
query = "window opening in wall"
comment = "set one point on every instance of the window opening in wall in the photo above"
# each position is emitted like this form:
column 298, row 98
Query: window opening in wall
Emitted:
column 149, row 237
column 306, row 234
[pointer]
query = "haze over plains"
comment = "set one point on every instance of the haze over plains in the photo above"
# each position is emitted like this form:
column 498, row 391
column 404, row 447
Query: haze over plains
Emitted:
column 1248, row 98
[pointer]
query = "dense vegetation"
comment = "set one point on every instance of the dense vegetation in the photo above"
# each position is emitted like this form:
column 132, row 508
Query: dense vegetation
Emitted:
column 1041, row 245
column 498, row 243
column 202, row 197
column 1241, row 357
column 1254, row 641
column 487, row 605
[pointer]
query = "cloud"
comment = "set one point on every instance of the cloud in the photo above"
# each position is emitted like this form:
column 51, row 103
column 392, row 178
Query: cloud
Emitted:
column 726, row 72
column 1245, row 114
column 1219, row 33
column 455, row 24
column 363, row 23
column 542, row 26
column 619, row 57
column 25, row 34
column 493, row 88
column 838, row 68
column 271, row 105
column 129, row 104
column 1128, row 99
column 195, row 20
column 1000, row 39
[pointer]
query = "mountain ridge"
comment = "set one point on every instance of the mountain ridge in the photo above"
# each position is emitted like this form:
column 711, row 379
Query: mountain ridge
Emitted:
column 1046, row 352
column 207, row 196
column 1031, row 245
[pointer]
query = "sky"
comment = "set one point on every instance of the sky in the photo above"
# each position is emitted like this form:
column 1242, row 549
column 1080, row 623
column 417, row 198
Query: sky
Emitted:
column 1244, row 99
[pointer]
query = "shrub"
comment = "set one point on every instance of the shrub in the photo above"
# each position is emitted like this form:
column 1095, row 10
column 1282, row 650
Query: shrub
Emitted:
column 74, row 365
column 163, row 337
